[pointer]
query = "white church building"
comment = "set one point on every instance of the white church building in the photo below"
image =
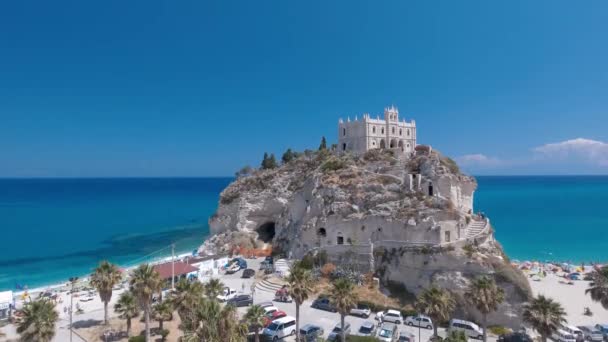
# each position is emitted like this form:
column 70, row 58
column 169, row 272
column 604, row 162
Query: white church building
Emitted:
column 360, row 136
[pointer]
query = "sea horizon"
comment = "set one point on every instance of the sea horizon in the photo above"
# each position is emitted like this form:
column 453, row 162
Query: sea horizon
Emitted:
column 61, row 227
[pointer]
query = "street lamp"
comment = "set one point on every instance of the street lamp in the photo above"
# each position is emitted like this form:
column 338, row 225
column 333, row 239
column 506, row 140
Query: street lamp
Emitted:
column 73, row 281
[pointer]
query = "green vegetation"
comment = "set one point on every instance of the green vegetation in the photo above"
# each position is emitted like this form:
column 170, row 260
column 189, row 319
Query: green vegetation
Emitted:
column 300, row 288
column 39, row 318
column 450, row 164
column 544, row 315
column 103, row 279
column 288, row 156
column 244, row 171
column 436, row 303
column 486, row 297
column 214, row 288
column 343, row 297
column 498, row 330
column 469, row 249
column 456, row 336
column 137, row 339
column 145, row 282
column 269, row 162
column 162, row 312
column 127, row 308
column 255, row 318
column 323, row 145
column 598, row 288
column 333, row 164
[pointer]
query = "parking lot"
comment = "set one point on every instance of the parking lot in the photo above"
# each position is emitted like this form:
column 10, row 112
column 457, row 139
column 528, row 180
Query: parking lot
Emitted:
column 325, row 319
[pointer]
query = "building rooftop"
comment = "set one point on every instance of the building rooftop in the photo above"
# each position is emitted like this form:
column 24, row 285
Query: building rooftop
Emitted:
column 181, row 268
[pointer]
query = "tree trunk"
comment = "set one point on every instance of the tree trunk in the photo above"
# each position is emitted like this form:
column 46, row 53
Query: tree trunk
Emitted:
column 160, row 324
column 105, row 313
column 434, row 329
column 297, row 321
column 543, row 338
column 257, row 334
column 485, row 328
column 342, row 332
column 147, row 317
column 128, row 327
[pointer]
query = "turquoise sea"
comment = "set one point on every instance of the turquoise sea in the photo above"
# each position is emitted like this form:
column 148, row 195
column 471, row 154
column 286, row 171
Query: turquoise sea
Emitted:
column 52, row 229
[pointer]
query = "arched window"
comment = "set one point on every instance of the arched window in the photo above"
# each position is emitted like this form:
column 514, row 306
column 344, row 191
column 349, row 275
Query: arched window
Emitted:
column 373, row 143
column 393, row 130
column 344, row 147
column 374, row 129
column 382, row 130
column 407, row 132
column 321, row 232
column 344, row 131
column 400, row 131
column 340, row 239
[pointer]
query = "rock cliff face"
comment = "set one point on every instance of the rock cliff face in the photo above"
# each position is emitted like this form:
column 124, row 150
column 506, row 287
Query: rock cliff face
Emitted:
column 408, row 219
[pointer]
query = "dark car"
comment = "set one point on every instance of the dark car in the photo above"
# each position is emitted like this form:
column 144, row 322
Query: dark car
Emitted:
column 248, row 273
column 310, row 333
column 240, row 300
column 515, row 337
column 323, row 304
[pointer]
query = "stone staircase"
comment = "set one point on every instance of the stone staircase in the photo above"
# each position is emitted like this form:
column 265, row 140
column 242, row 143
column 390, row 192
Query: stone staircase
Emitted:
column 474, row 228
column 270, row 284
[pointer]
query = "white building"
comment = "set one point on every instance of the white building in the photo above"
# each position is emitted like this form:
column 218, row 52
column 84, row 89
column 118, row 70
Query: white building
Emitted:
column 6, row 303
column 360, row 136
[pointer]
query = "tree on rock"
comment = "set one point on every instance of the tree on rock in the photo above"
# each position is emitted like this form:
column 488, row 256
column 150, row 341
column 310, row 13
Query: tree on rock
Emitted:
column 288, row 156
column 323, row 145
column 269, row 162
column 244, row 172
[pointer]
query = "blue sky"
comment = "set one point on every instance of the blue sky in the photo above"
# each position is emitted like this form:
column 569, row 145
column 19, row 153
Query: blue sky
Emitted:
column 200, row 88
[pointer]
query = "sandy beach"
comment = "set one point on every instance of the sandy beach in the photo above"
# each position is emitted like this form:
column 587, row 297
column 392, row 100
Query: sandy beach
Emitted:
column 573, row 299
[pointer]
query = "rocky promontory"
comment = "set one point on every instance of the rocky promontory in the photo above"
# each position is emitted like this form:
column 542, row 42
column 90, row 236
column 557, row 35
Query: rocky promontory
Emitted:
column 409, row 219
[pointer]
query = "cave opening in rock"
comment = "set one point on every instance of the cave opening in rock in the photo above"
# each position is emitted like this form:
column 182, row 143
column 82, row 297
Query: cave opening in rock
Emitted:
column 266, row 232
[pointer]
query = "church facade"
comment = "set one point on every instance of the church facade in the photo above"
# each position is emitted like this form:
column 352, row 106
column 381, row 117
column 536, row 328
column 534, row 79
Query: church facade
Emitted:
column 360, row 136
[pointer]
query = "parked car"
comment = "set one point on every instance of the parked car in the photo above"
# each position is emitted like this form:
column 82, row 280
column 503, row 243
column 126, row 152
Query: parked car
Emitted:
column 590, row 333
column 604, row 329
column 392, row 316
column 323, row 304
column 273, row 316
column 470, row 329
column 361, row 310
column 367, row 329
column 405, row 336
column 270, row 309
column 236, row 265
column 572, row 330
column 280, row 328
column 240, row 300
column 248, row 273
column 336, row 333
column 563, row 336
column 310, row 333
column 419, row 321
column 387, row 332
column 515, row 337
column 228, row 294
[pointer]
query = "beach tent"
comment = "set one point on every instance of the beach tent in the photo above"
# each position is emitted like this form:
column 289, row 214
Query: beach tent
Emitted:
column 6, row 303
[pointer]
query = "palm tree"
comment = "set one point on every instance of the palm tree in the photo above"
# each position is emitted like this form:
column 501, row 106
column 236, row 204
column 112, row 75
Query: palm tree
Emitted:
column 104, row 278
column 486, row 296
column 214, row 323
column 544, row 315
column 598, row 287
column 127, row 308
column 436, row 303
column 145, row 282
column 214, row 288
column 300, row 287
column 186, row 297
column 344, row 299
column 255, row 318
column 162, row 311
column 38, row 324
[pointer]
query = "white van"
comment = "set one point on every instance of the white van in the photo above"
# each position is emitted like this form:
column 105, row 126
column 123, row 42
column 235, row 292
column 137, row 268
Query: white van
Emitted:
column 573, row 330
column 280, row 328
column 470, row 329
column 563, row 336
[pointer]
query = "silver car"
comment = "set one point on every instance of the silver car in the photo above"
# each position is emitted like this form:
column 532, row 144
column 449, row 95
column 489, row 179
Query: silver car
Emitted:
column 590, row 333
column 419, row 321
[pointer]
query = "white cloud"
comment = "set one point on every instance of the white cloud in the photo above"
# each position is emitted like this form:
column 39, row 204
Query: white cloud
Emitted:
column 478, row 160
column 591, row 151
